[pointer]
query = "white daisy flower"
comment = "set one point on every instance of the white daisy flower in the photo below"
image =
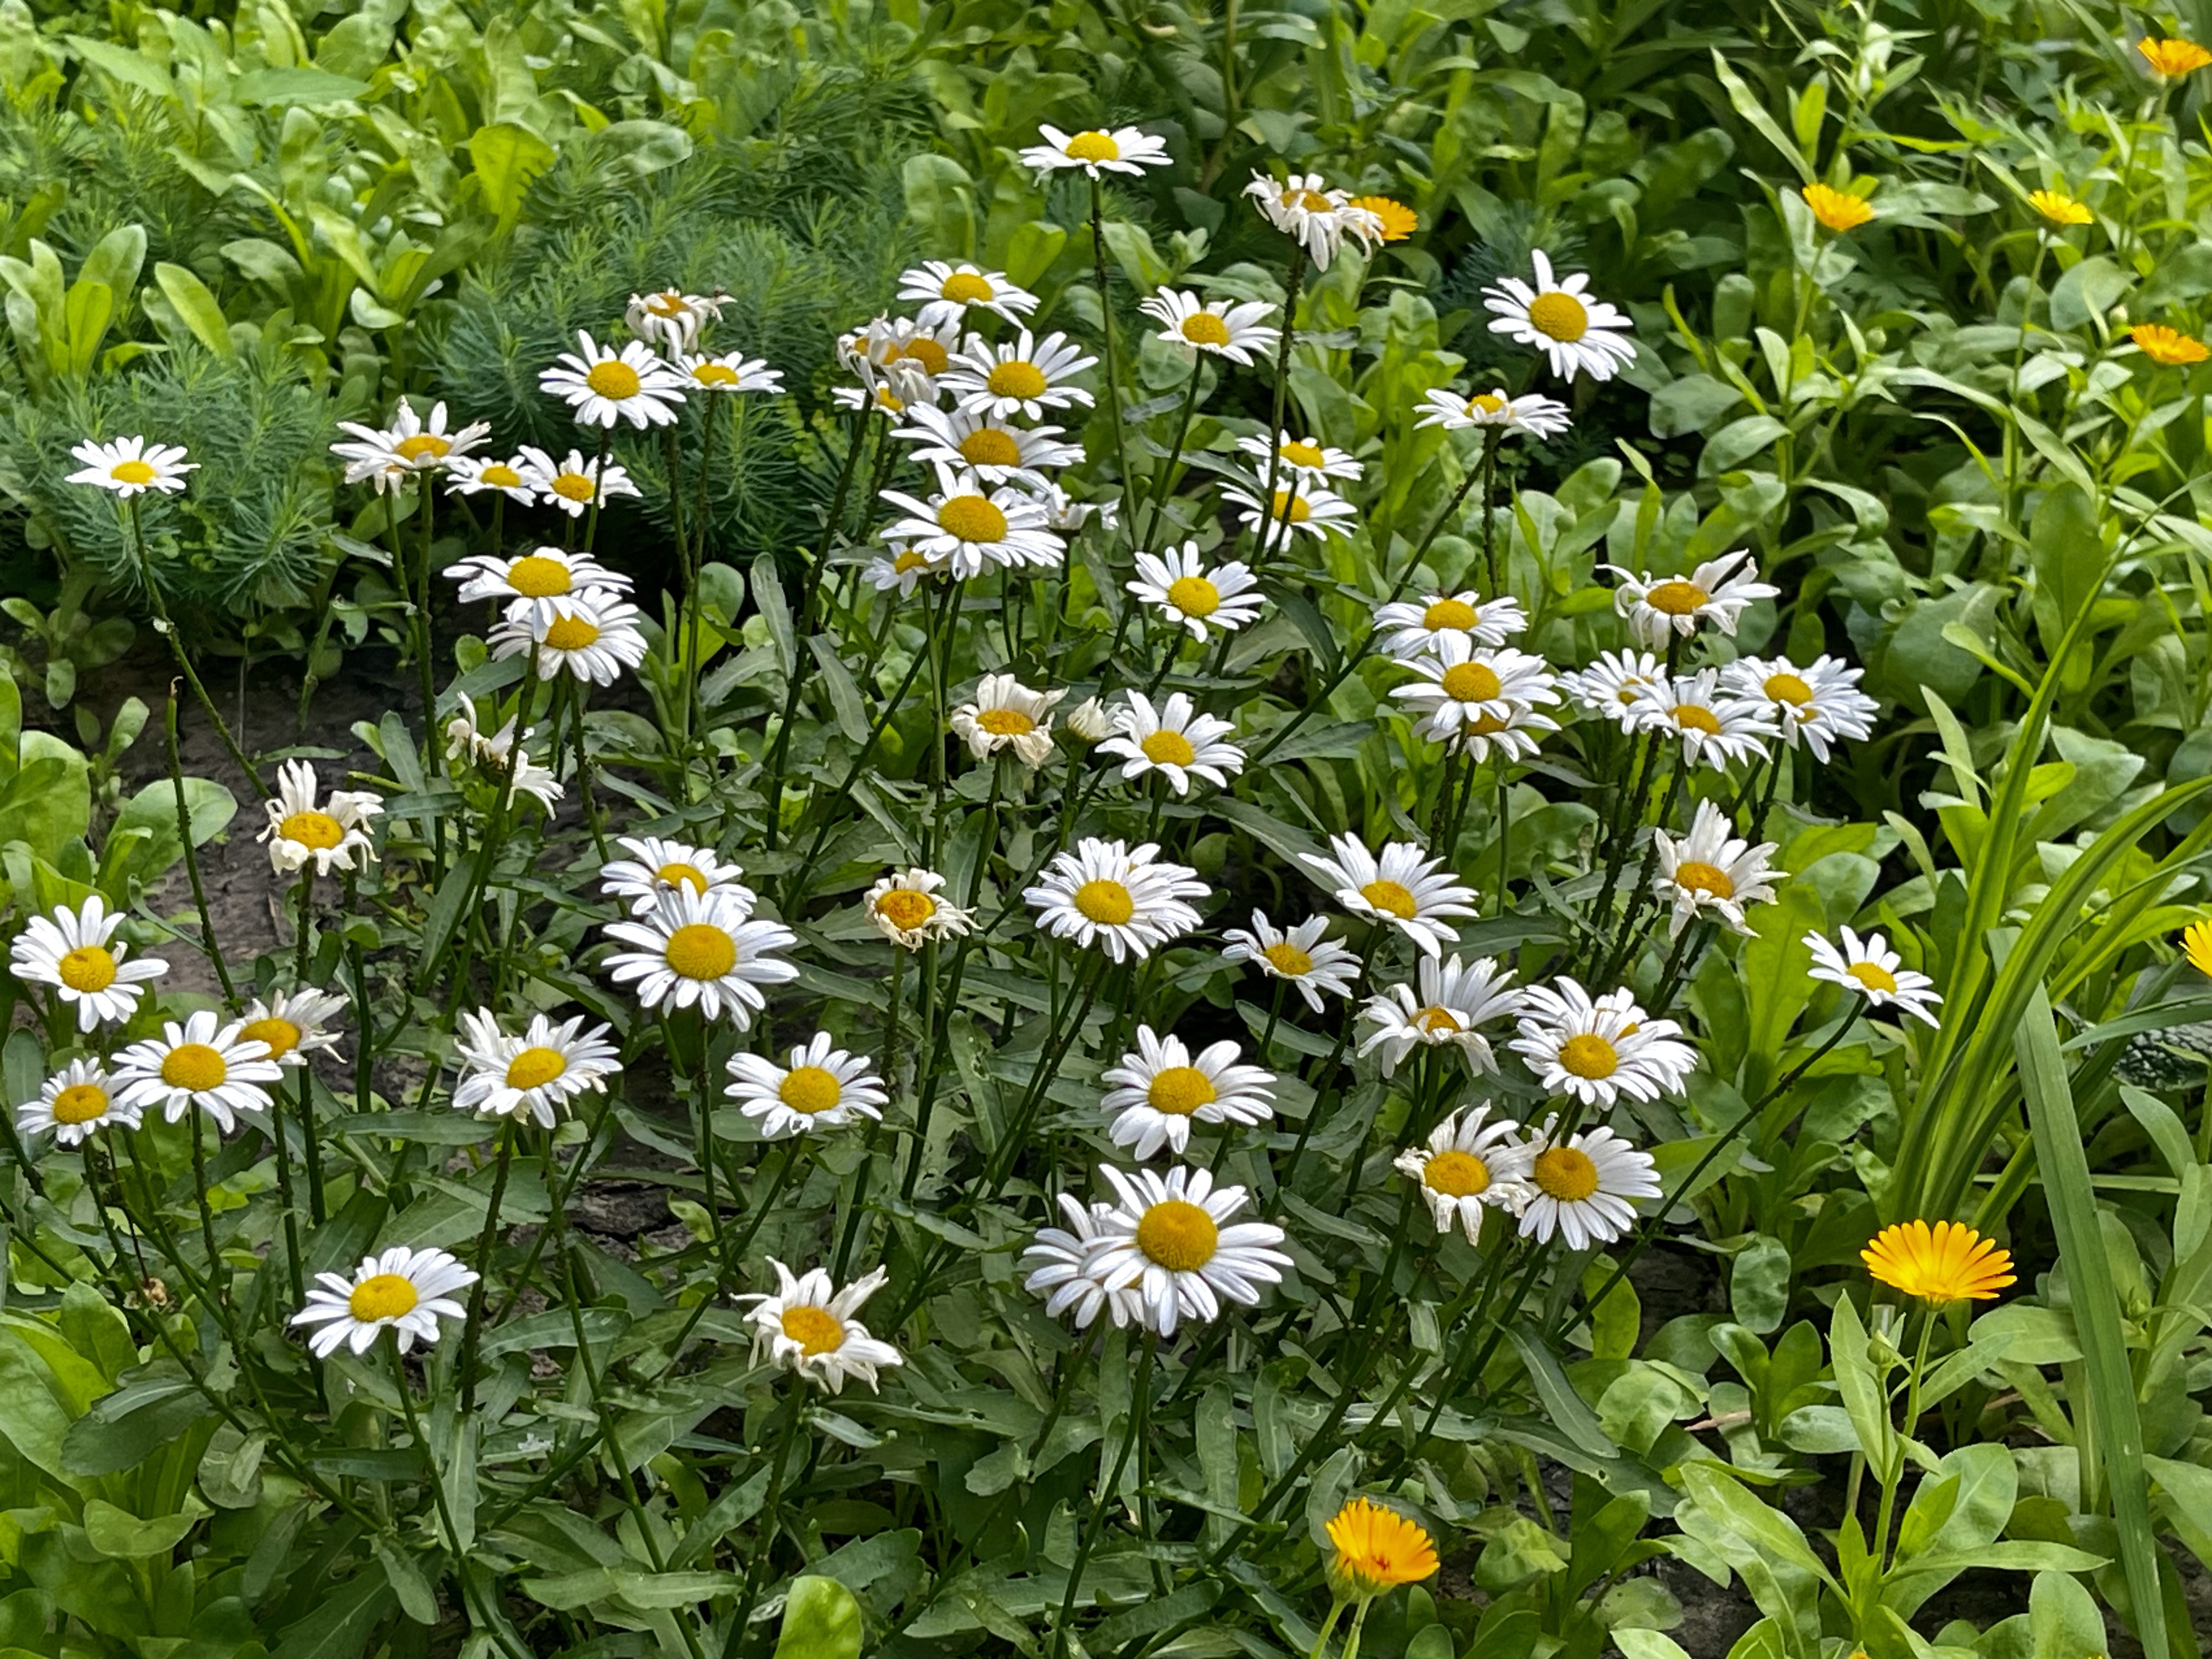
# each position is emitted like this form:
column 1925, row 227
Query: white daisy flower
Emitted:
column 1454, row 999
column 1091, row 721
column 1178, row 584
column 896, row 361
column 1578, row 334
column 1822, row 703
column 1176, row 741
column 1462, row 683
column 973, row 528
column 822, row 1088
column 406, row 1291
column 808, row 1327
column 537, row 1075
column 1172, row 1239
column 949, row 292
column 873, row 396
column 1415, row 628
column 657, row 866
column 1401, row 889
column 904, row 907
column 543, row 573
column 995, row 452
column 472, row 474
column 700, row 950
column 1303, row 206
column 1471, row 1165
column 1304, row 458
column 1124, row 150
column 1025, row 377
column 1160, row 1089
column 293, row 1025
column 1063, row 513
column 1718, row 591
column 904, row 569
column 201, row 1063
column 77, row 1102
column 604, row 385
column 409, row 445
column 1581, row 1186
column 1298, row 956
column 1718, row 727
column 1457, row 411
column 591, row 634
column 331, row 836
column 496, row 753
column 572, row 484
column 1005, row 714
column 1615, row 687
column 1869, row 967
column 1117, row 897
column 1058, row 1263
column 731, row 371
column 77, row 953
column 1517, row 735
column 131, row 466
column 1318, row 512
column 1224, row 328
column 1598, row 1051
column 671, row 319
column 1711, row 870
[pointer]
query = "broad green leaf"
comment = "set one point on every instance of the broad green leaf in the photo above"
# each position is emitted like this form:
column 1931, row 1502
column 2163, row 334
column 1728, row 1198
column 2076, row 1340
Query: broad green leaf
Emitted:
column 821, row 1621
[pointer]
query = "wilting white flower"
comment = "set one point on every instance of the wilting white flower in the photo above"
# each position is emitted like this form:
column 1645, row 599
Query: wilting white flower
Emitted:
column 331, row 836
column 1718, row 591
column 808, row 1326
column 1713, row 870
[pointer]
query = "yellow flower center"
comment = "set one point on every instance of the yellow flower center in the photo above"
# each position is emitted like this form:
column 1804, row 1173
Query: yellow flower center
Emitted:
column 906, row 909
column 1181, row 1089
column 1565, row 1174
column 933, row 358
column 87, row 968
column 1093, row 147
column 713, row 374
column 80, row 1103
column 1677, row 598
column 501, row 476
column 537, row 577
column 1484, row 726
column 1017, row 379
column 1485, row 403
column 572, row 633
column 1874, row 976
column 970, row 287
column 132, row 472
column 971, row 519
column 1456, row 615
column 533, row 1068
column 1436, row 1019
column 1169, row 749
column 1788, row 688
column 1107, row 903
column 668, row 305
column 382, row 1296
column 311, row 828
column 989, row 446
column 1195, row 596
column 1302, row 452
column 890, row 401
column 1296, row 508
column 1558, row 315
column 1313, row 202
column 571, row 487
column 678, row 873
column 909, row 560
column 279, row 1036
column 422, row 444
column 1694, row 876
column 809, row 1089
column 1205, row 328
column 612, row 380
column 1695, row 717
column 1179, row 1236
column 1390, row 898
column 699, row 949
column 816, row 1330
column 1470, row 682
column 1286, row 958
column 1588, row 1055
column 193, row 1065
column 1457, row 1174
column 1006, row 722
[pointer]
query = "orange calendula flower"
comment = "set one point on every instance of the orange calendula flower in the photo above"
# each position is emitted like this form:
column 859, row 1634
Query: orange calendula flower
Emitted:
column 1836, row 209
column 1377, row 1548
column 2173, row 58
column 2197, row 946
column 2059, row 208
column 1943, row 1263
column 1399, row 221
column 2162, row 344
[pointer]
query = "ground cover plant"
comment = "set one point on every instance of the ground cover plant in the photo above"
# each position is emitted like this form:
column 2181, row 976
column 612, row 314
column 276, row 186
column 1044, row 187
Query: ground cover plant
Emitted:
column 1339, row 831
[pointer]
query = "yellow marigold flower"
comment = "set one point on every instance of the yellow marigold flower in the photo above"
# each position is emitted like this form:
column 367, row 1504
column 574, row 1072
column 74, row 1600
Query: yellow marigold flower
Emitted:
column 2197, row 946
column 2059, row 208
column 1835, row 209
column 1945, row 1263
column 2173, row 58
column 1377, row 1548
column 2162, row 344
column 1399, row 221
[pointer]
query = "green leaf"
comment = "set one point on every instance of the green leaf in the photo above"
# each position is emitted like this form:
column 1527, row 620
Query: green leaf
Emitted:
column 131, row 68
column 196, row 307
column 122, row 1536
column 821, row 1621
column 507, row 158
column 844, row 695
column 297, row 86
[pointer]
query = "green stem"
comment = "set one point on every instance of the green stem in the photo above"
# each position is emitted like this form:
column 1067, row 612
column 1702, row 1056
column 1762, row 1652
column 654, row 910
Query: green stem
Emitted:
column 191, row 853
column 1098, row 1509
column 487, row 1240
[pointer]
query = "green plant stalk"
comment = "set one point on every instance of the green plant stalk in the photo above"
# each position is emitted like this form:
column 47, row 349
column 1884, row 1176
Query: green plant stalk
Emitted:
column 1324, row 1077
column 794, row 1412
column 598, row 489
column 192, row 854
column 795, row 893
column 1111, row 363
column 1096, row 1523
column 1358, row 1619
column 487, row 1239
column 1328, row 1627
column 1160, row 501
column 1892, row 1476
column 691, row 618
column 167, row 630
column 888, row 1067
column 452, row 1538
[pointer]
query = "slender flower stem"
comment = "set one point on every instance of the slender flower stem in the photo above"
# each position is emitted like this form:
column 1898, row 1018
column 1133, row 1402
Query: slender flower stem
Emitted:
column 794, row 1412
column 1105, row 1499
column 167, row 629
column 1112, row 367
column 192, row 852
column 472, row 1325
column 1159, row 500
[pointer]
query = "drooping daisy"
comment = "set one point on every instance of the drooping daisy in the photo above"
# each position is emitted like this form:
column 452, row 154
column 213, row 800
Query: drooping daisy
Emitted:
column 1717, row 726
column 1712, row 872
column 995, row 452
column 1579, row 335
column 406, row 1291
column 903, row 569
column 1616, row 685
column 1005, row 714
column 731, row 371
column 1456, row 997
column 591, row 634
column 409, row 445
column 543, row 573
column 822, row 1088
column 1400, row 889
column 293, row 1025
column 1582, row 1186
column 1840, row 210
column 1598, row 1051
column 77, row 953
column 1822, row 703
column 972, row 526
column 1173, row 1240
column 1938, row 1265
column 1517, row 735
column 496, row 754
column 1471, row 1165
column 905, row 908
column 1376, row 1549
column 896, row 361
column 1063, row 513
column 1300, row 457
column 574, row 483
column 1869, row 967
column 671, row 319
column 1124, row 150
column 1717, row 592
column 1179, row 584
column 1174, row 740
column 331, row 836
column 1309, row 508
column 472, row 474
column 1161, row 1089
column 535, row 1075
column 77, row 1102
column 1415, row 628
column 808, row 1328
column 202, row 1064
column 1299, row 955
column 604, row 385
column 1058, row 1263
column 949, row 292
column 131, row 466
column 1119, row 898
column 700, row 950
column 1462, row 682
column 1090, row 721
column 1225, row 328
column 657, row 866
column 1305, row 208
column 1457, row 411
column 1025, row 376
